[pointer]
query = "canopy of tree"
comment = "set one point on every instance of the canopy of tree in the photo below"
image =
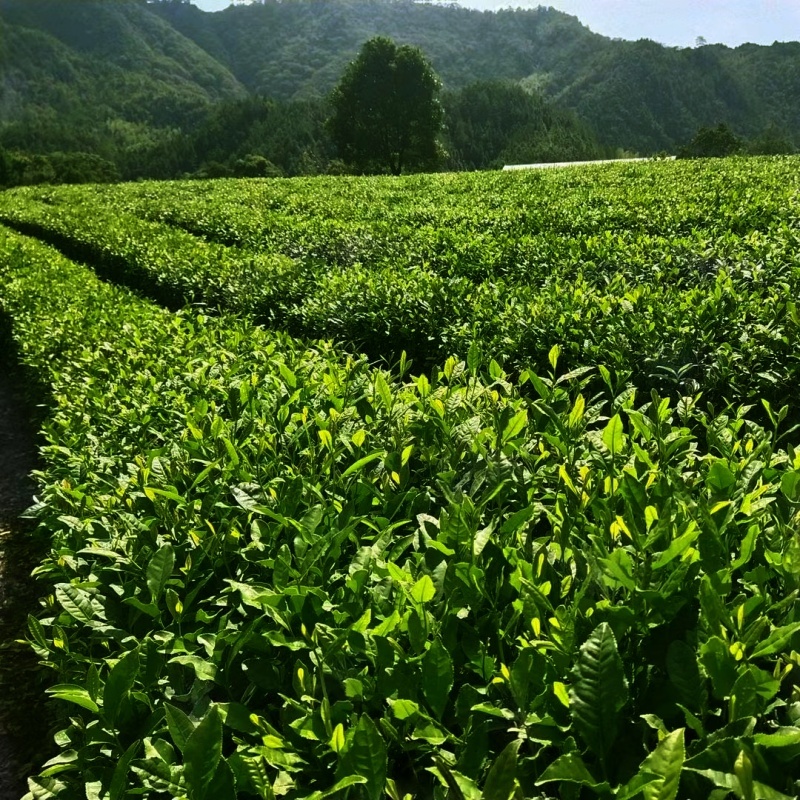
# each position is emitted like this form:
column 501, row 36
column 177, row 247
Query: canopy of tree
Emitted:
column 386, row 111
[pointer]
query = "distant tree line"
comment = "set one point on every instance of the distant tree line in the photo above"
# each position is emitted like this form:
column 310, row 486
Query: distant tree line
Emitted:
column 720, row 141
column 386, row 114
column 483, row 126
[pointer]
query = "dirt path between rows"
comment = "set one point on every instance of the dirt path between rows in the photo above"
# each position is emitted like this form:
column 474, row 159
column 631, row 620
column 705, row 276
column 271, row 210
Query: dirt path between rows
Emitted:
column 21, row 716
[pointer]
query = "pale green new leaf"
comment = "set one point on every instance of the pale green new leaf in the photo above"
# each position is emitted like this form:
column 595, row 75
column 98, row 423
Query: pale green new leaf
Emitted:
column 613, row 435
column 666, row 761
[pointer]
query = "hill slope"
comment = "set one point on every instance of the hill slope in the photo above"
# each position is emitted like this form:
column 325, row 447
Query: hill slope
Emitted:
column 74, row 65
column 119, row 78
column 639, row 95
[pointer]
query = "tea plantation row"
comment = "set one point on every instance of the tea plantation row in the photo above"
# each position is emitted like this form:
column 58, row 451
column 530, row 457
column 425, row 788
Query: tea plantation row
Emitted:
column 681, row 276
column 277, row 571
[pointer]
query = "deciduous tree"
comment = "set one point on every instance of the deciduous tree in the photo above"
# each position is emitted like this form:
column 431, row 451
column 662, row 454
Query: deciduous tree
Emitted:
column 386, row 111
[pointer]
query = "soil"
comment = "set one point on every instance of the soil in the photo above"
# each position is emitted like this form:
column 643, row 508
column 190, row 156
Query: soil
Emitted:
column 22, row 719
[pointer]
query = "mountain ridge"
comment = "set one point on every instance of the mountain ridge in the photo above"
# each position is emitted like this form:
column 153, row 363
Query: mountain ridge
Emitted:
column 639, row 95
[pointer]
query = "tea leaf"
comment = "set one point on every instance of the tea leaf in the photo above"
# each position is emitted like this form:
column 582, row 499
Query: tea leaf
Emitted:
column 599, row 690
column 119, row 683
column 202, row 753
column 159, row 571
column 437, row 677
column 366, row 758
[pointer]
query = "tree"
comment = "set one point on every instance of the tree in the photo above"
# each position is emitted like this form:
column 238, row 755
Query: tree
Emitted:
column 772, row 141
column 386, row 111
column 491, row 123
column 713, row 143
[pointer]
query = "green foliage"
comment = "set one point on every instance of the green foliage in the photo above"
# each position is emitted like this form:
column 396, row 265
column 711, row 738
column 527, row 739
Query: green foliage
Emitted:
column 278, row 571
column 772, row 141
column 162, row 90
column 641, row 95
column 672, row 274
column 385, row 110
column 494, row 123
column 713, row 143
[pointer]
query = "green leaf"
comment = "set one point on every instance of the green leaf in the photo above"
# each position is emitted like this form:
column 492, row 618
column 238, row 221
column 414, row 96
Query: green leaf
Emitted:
column 677, row 548
column 684, row 674
column 719, row 666
column 576, row 415
column 474, row 358
column 743, row 769
column 357, row 466
column 714, row 610
column 179, row 725
column 515, row 425
column 666, row 761
column 93, row 682
column 613, row 435
column 37, row 633
column 42, row 788
column 744, row 702
column 146, row 608
column 460, row 786
column 202, row 754
column 250, row 773
column 204, row 670
column 383, row 390
column 783, row 737
column 118, row 684
column 159, row 571
column 777, row 641
column 366, row 757
column 287, row 375
column 405, row 709
column 223, row 785
column 423, row 591
column 552, row 356
column 599, row 690
column 157, row 774
column 501, row 780
column 77, row 603
column 720, row 476
column 344, row 783
column 73, row 694
column 570, row 768
column 764, row 792
column 437, row 677
column 119, row 780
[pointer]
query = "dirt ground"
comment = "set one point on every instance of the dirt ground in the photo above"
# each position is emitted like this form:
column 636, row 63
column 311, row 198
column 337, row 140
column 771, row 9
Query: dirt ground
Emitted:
column 21, row 716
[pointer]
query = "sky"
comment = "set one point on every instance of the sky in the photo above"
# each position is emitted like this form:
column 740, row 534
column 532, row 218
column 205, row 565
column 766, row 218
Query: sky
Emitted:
column 671, row 22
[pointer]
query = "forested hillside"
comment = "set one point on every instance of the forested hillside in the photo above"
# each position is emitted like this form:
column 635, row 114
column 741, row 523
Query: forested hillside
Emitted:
column 109, row 79
column 128, row 88
column 637, row 95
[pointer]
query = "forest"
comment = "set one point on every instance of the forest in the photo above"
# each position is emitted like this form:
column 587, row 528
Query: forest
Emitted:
column 103, row 91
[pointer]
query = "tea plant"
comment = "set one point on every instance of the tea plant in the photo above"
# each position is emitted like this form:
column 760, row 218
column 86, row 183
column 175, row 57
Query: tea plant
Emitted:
column 681, row 274
column 279, row 572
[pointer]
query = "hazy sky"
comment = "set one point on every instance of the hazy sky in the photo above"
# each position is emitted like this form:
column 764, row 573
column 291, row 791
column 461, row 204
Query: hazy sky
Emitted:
column 672, row 22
